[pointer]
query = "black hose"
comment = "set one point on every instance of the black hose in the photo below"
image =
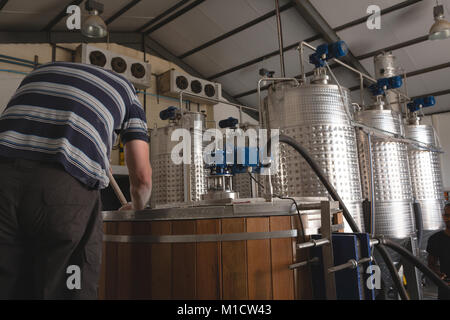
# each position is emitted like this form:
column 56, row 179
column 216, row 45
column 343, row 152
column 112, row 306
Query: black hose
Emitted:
column 393, row 271
column 417, row 263
column 419, row 222
column 332, row 191
column 321, row 175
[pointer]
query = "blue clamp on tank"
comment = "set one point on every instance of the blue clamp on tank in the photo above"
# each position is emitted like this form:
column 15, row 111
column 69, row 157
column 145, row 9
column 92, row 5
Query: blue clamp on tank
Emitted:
column 423, row 102
column 169, row 113
column 228, row 123
column 327, row 51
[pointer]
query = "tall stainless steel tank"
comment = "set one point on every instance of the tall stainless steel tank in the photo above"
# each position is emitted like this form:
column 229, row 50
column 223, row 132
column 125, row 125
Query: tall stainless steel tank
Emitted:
column 178, row 183
column 394, row 216
column 426, row 176
column 314, row 115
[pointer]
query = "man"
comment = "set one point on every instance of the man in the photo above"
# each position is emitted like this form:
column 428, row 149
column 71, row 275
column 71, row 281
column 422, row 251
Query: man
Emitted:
column 56, row 135
column 439, row 253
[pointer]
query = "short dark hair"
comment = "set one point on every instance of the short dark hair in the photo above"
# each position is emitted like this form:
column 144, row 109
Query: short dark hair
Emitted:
column 447, row 206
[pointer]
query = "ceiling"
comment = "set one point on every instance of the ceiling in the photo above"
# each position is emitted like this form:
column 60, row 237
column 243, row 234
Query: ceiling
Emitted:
column 229, row 41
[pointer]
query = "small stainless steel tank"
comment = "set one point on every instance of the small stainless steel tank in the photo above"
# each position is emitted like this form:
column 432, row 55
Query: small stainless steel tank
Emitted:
column 426, row 175
column 178, row 183
column 315, row 115
column 391, row 178
column 386, row 67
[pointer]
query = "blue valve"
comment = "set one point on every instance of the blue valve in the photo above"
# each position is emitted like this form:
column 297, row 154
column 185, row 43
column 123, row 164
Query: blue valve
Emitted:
column 384, row 84
column 169, row 113
column 243, row 159
column 228, row 123
column 326, row 51
column 423, row 102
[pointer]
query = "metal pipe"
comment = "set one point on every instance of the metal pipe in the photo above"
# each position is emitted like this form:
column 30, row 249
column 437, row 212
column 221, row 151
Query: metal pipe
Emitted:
column 303, row 263
column 372, row 187
column 280, row 38
column 312, row 243
column 302, row 43
column 185, row 93
column 352, row 263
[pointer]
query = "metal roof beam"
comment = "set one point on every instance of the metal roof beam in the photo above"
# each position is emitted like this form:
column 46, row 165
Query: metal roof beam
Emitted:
column 3, row 3
column 162, row 15
column 417, row 72
column 236, row 30
column 394, row 47
column 122, row 11
column 399, row 6
column 66, row 37
column 174, row 16
column 313, row 17
column 435, row 94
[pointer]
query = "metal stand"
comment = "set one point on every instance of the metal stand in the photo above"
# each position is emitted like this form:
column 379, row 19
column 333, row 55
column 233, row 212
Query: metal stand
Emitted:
column 412, row 274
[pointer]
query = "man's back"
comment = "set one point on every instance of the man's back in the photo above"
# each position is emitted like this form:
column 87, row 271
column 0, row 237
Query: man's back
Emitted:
column 67, row 113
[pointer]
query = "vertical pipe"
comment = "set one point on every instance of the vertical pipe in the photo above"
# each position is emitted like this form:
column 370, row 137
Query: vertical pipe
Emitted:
column 53, row 52
column 361, row 89
column 372, row 185
column 280, row 38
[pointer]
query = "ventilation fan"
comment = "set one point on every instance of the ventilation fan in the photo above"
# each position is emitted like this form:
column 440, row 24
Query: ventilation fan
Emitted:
column 172, row 82
column 138, row 72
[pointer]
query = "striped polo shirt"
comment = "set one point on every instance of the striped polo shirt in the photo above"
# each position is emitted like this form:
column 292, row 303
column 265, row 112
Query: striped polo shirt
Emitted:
column 69, row 113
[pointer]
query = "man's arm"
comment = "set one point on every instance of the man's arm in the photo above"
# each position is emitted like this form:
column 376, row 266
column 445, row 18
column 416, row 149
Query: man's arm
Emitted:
column 433, row 265
column 140, row 171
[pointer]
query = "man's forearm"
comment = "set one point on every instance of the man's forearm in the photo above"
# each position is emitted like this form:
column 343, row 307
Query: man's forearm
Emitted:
column 140, row 196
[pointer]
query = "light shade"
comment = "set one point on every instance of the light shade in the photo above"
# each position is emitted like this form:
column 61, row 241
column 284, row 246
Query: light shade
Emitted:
column 440, row 30
column 441, row 27
column 94, row 26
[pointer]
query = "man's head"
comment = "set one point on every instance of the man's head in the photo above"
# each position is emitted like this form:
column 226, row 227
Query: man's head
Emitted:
column 446, row 215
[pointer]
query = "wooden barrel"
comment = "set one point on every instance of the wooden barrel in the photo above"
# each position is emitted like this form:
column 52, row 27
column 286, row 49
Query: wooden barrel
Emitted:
column 203, row 258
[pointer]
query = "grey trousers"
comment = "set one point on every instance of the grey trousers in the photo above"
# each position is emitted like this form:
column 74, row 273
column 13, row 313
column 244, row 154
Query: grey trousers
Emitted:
column 50, row 233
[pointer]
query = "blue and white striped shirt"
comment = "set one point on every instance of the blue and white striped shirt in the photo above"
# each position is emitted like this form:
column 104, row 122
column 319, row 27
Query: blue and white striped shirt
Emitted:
column 68, row 113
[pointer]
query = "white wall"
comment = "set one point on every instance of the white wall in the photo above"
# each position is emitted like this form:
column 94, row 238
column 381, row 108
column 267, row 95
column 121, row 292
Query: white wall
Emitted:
column 441, row 123
column 223, row 111
column 8, row 85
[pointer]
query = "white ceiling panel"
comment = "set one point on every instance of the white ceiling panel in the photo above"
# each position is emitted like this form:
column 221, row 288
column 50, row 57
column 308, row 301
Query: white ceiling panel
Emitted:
column 252, row 100
column 23, row 15
column 247, row 78
column 442, row 105
column 429, row 82
column 396, row 27
column 110, row 8
column 339, row 12
column 140, row 14
column 209, row 20
column 252, row 43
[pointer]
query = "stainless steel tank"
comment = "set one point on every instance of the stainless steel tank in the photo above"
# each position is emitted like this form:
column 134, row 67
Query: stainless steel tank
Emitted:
column 178, row 183
column 426, row 176
column 386, row 67
column 394, row 216
column 315, row 116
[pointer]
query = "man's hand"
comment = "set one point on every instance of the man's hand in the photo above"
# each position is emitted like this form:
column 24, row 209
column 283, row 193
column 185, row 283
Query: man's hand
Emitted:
column 128, row 206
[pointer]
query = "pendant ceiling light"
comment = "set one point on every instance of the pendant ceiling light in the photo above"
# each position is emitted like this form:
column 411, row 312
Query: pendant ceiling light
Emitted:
column 94, row 26
column 441, row 27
